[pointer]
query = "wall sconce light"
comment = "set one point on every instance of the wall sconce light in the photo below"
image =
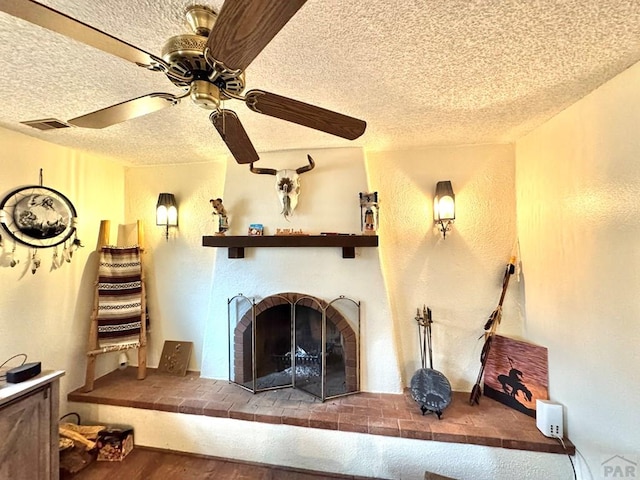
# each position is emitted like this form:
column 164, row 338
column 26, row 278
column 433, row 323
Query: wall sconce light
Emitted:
column 444, row 206
column 167, row 212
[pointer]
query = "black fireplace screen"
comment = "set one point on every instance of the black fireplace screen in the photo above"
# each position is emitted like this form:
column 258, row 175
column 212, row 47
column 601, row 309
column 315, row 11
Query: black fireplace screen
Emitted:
column 295, row 340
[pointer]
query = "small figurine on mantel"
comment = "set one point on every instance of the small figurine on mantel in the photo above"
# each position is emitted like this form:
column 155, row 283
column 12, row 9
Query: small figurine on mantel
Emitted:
column 369, row 213
column 220, row 212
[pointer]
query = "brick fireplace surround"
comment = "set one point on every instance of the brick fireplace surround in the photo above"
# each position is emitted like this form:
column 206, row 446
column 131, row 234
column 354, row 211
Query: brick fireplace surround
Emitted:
column 397, row 415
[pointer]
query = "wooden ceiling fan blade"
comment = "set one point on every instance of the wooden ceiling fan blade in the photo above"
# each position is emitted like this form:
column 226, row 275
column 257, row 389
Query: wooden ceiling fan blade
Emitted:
column 234, row 135
column 244, row 27
column 58, row 22
column 304, row 114
column 124, row 111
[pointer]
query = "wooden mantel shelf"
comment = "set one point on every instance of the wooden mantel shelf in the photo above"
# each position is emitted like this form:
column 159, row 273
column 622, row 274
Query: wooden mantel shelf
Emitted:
column 237, row 244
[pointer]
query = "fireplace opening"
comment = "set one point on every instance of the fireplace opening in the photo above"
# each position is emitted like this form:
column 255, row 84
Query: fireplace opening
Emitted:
column 273, row 341
column 295, row 340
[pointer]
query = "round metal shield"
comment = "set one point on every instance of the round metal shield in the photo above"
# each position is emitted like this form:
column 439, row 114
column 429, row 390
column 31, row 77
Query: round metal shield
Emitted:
column 431, row 389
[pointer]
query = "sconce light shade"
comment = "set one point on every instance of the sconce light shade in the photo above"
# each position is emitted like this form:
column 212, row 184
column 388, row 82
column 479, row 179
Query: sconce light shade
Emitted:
column 444, row 206
column 167, row 212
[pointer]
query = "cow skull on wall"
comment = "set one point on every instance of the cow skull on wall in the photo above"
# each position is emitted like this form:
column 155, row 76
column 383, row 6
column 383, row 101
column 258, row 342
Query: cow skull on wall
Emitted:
column 287, row 184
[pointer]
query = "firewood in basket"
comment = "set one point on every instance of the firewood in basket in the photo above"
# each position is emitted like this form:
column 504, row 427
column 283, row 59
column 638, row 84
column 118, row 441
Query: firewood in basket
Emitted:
column 76, row 437
column 88, row 431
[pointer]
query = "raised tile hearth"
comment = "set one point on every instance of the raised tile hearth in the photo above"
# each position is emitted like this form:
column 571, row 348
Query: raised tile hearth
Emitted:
column 397, row 415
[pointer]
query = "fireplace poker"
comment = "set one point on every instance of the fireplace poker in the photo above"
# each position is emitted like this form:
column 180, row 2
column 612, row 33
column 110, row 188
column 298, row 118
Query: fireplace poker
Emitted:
column 421, row 340
column 428, row 322
column 424, row 335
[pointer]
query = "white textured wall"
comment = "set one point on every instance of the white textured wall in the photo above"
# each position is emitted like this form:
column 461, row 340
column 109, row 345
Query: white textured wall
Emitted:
column 329, row 202
column 188, row 284
column 178, row 270
column 46, row 315
column 578, row 184
column 460, row 276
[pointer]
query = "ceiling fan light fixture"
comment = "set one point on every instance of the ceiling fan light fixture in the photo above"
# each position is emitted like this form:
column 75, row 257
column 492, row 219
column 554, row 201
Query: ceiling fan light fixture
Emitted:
column 204, row 94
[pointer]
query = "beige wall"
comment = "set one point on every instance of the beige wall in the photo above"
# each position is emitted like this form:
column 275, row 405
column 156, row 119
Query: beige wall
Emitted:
column 578, row 185
column 574, row 181
column 45, row 314
column 178, row 270
column 329, row 201
column 459, row 277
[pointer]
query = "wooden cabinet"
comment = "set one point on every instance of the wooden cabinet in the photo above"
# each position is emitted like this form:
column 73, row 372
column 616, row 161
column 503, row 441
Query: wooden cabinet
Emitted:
column 29, row 414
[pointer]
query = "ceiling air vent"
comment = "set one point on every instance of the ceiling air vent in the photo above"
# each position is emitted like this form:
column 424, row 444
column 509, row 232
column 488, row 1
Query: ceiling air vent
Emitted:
column 46, row 124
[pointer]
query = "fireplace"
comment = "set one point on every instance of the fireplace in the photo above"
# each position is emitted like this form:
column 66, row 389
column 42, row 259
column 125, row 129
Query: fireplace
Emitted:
column 295, row 340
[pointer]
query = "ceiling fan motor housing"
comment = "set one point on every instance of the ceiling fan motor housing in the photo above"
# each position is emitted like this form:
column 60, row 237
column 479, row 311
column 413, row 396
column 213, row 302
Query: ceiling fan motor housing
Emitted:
column 185, row 56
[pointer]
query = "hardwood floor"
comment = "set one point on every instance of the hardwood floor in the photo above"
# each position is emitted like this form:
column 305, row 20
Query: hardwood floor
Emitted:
column 149, row 464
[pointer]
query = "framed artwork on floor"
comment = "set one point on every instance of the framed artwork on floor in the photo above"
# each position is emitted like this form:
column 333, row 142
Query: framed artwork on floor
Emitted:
column 175, row 357
column 517, row 374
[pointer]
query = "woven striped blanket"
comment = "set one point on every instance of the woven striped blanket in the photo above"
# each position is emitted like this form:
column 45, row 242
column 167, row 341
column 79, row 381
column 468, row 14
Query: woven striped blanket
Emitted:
column 119, row 295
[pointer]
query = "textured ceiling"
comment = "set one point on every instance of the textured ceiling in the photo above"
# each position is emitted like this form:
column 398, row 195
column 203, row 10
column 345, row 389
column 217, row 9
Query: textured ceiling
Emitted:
column 435, row 72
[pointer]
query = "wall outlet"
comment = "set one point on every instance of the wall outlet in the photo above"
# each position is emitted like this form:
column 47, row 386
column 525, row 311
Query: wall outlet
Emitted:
column 549, row 418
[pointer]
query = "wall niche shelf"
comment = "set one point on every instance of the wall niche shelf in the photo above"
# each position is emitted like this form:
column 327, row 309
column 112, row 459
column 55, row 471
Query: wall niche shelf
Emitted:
column 236, row 244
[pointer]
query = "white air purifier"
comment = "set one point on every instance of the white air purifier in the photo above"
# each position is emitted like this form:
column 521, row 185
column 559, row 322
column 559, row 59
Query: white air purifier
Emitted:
column 549, row 418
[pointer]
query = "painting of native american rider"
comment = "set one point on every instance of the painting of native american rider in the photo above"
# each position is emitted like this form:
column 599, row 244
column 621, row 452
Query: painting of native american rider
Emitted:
column 516, row 374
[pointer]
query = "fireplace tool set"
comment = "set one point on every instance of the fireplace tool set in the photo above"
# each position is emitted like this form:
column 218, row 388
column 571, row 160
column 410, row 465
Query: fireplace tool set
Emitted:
column 429, row 387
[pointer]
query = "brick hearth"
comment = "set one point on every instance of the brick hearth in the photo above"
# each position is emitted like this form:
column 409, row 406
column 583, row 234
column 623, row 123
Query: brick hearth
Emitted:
column 490, row 423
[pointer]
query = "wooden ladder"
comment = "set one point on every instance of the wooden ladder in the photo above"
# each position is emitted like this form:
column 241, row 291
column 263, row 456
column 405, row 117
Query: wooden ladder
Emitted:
column 93, row 347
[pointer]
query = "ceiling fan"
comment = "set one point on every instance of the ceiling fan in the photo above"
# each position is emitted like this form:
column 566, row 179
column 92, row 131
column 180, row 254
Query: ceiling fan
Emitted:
column 209, row 63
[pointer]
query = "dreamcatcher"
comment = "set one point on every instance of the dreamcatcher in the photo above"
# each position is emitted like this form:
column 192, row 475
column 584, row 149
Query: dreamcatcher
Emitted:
column 38, row 217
